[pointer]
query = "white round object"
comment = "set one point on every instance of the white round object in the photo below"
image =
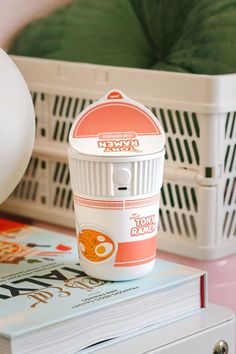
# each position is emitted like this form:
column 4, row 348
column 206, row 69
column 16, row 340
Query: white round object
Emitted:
column 17, row 126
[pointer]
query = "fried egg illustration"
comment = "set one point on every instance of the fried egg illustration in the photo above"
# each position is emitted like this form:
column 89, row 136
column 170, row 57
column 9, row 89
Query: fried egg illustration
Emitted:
column 95, row 246
column 103, row 249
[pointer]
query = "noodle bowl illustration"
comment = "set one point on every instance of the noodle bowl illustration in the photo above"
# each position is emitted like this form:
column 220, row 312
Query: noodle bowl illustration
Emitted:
column 95, row 246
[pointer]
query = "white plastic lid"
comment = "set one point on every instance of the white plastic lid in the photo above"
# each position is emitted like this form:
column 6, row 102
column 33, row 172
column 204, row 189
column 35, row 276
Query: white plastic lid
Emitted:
column 116, row 126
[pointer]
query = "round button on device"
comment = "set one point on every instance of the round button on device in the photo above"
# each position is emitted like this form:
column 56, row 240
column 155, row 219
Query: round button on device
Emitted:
column 122, row 176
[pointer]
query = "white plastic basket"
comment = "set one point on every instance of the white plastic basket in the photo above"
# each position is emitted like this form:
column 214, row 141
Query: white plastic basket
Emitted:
column 198, row 113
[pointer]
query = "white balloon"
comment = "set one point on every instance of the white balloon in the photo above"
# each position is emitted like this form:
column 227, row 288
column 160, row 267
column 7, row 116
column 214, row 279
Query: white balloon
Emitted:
column 17, row 126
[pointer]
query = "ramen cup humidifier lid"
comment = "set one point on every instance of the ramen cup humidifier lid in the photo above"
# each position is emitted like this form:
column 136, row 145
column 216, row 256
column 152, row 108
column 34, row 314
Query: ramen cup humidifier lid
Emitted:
column 116, row 126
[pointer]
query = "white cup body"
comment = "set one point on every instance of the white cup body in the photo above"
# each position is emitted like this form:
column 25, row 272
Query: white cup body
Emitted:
column 116, row 229
column 117, row 238
column 116, row 160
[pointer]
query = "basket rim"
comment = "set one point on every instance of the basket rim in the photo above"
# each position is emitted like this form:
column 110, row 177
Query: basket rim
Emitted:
column 179, row 91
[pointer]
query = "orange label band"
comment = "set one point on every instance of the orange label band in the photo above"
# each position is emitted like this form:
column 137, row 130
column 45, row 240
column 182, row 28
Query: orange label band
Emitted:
column 116, row 204
column 135, row 253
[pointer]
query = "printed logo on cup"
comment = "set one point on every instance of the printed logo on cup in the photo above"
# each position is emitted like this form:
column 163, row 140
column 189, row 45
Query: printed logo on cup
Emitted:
column 95, row 246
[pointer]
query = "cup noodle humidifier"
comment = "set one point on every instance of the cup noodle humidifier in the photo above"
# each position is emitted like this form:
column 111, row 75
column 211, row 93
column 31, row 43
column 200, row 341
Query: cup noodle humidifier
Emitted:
column 116, row 159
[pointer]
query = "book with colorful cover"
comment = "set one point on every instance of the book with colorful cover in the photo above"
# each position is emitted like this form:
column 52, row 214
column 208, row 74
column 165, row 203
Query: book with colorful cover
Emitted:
column 48, row 303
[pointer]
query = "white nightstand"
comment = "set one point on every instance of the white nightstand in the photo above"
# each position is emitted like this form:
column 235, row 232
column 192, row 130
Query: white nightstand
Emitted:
column 194, row 335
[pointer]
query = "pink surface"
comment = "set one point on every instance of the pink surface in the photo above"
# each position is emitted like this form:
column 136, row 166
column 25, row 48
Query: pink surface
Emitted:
column 221, row 277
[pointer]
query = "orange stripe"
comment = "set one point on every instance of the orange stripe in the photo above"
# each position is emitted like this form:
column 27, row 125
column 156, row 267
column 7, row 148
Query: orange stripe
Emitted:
column 99, row 203
column 135, row 251
column 96, row 136
column 117, row 207
column 139, row 260
column 132, row 264
column 116, row 204
column 117, row 201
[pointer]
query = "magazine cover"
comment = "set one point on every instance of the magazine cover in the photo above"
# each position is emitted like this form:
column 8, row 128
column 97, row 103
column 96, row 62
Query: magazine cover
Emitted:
column 42, row 283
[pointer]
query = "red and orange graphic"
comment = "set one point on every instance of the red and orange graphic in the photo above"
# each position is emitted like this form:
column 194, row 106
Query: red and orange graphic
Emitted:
column 95, row 246
column 9, row 248
column 13, row 253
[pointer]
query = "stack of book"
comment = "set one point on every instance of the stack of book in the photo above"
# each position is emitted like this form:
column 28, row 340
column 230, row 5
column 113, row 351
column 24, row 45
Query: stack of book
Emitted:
column 47, row 303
